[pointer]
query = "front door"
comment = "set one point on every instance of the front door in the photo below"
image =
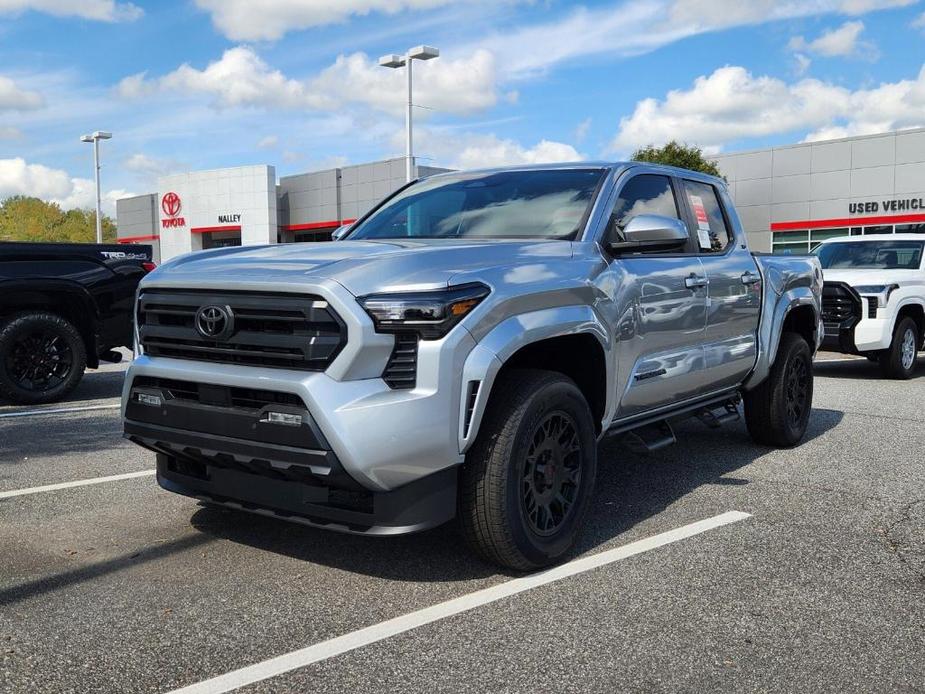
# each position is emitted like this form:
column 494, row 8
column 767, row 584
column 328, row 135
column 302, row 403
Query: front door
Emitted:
column 661, row 307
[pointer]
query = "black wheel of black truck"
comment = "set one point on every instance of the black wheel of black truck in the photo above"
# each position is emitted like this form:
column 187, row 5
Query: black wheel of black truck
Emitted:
column 527, row 483
column 777, row 411
column 42, row 358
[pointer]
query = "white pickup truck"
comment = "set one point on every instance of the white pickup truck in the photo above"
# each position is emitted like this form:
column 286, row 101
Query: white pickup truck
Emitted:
column 873, row 300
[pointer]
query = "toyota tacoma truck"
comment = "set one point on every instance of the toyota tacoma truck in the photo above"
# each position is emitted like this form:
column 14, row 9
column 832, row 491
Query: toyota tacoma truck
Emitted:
column 873, row 299
column 462, row 348
column 63, row 307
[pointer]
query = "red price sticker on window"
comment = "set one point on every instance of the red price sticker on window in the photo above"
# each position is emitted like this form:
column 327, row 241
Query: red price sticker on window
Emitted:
column 703, row 221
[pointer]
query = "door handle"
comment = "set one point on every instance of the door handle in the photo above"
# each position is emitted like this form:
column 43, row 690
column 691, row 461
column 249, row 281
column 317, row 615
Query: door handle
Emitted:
column 694, row 282
column 750, row 278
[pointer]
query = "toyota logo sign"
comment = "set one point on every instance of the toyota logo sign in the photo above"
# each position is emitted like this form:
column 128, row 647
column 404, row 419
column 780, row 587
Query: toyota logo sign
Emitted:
column 214, row 322
column 170, row 204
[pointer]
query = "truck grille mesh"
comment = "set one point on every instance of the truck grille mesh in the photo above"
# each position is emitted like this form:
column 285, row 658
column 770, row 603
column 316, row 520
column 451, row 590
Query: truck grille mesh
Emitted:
column 839, row 304
column 274, row 330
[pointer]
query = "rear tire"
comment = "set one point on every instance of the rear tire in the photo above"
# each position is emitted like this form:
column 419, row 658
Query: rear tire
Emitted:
column 898, row 361
column 777, row 411
column 527, row 482
column 42, row 358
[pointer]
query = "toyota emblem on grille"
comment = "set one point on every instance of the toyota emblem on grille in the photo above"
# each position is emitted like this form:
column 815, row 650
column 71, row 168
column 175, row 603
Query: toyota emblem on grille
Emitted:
column 214, row 322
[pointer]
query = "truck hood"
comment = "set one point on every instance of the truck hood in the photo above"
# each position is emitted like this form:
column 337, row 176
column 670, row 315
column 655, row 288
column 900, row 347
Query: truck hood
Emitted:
column 861, row 278
column 362, row 267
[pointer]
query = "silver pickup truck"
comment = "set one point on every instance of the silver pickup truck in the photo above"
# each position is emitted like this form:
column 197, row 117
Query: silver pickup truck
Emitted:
column 461, row 350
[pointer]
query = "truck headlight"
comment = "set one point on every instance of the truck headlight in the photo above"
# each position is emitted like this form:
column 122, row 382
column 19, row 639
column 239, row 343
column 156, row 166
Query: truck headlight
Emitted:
column 430, row 314
column 880, row 291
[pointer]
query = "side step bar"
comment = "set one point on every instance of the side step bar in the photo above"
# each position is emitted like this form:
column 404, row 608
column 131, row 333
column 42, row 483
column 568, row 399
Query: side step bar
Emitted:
column 650, row 438
column 655, row 433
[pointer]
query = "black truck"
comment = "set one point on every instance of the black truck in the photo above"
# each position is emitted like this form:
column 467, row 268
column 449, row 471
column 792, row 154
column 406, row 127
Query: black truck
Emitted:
column 63, row 307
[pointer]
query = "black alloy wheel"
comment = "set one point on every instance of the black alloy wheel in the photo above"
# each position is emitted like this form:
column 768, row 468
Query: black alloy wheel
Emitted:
column 42, row 358
column 39, row 360
column 551, row 474
column 527, row 484
column 797, row 390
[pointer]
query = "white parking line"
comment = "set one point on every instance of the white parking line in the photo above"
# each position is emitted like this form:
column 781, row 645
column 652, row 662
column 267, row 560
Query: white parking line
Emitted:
column 75, row 483
column 378, row 632
column 60, row 410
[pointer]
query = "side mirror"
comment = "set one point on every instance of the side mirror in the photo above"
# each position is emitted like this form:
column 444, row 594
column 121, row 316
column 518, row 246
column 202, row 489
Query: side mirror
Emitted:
column 340, row 232
column 651, row 232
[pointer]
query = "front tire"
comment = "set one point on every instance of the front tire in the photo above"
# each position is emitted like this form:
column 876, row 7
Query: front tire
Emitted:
column 42, row 358
column 898, row 361
column 528, row 479
column 777, row 411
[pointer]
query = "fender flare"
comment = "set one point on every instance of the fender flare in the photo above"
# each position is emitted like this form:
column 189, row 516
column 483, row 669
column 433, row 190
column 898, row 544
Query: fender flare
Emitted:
column 504, row 340
column 771, row 327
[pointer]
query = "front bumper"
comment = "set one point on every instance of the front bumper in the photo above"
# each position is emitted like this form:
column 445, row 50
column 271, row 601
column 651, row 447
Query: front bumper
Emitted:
column 417, row 506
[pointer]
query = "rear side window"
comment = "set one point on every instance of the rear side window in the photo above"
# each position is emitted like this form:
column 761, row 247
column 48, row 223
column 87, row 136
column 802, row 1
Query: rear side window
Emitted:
column 711, row 232
column 643, row 194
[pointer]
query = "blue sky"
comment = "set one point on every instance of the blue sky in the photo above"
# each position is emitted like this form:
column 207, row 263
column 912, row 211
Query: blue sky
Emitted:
column 193, row 84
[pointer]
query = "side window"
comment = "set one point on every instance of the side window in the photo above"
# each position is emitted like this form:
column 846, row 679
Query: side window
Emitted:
column 711, row 231
column 643, row 194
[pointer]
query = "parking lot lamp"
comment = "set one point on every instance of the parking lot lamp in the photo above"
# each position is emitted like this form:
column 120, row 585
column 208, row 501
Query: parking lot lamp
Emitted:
column 95, row 139
column 396, row 61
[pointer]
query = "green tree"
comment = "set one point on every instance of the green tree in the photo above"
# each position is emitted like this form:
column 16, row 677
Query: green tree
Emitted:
column 24, row 218
column 676, row 154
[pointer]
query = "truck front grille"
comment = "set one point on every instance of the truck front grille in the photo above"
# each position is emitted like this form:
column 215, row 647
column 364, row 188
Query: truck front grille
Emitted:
column 276, row 330
column 840, row 304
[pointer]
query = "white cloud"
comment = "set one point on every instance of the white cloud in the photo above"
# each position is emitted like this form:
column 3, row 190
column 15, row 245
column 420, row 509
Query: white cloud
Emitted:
column 14, row 98
column 241, row 78
column 268, row 142
column 149, row 167
column 918, row 22
column 732, row 104
column 247, row 20
column 581, row 130
column 20, row 178
column 99, row 10
column 842, row 41
column 8, row 132
column 468, row 150
column 802, row 63
column 635, row 27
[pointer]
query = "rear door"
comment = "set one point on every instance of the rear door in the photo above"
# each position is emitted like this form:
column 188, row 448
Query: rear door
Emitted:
column 661, row 306
column 734, row 288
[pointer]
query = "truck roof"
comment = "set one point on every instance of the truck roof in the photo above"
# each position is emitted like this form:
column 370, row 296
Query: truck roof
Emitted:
column 611, row 165
column 875, row 237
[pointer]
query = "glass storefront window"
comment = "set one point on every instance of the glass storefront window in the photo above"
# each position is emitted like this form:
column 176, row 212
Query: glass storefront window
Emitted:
column 910, row 228
column 878, row 230
column 791, row 236
column 817, row 236
column 790, row 248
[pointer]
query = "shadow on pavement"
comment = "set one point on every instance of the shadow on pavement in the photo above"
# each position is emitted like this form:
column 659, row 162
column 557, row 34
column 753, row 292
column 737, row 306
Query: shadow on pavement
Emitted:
column 856, row 369
column 95, row 385
column 630, row 489
column 48, row 436
column 48, row 584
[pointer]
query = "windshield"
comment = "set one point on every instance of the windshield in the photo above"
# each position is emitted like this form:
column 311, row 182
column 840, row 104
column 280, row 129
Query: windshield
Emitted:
column 549, row 204
column 871, row 255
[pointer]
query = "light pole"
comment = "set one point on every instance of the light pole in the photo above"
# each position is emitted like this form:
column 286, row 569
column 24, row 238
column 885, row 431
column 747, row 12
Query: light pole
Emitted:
column 395, row 61
column 95, row 139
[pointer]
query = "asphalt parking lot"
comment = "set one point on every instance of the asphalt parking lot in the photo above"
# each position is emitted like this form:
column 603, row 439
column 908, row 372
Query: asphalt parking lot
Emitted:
column 117, row 586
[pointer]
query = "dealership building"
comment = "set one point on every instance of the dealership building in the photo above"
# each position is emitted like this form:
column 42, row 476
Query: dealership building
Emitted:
column 246, row 206
column 789, row 198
